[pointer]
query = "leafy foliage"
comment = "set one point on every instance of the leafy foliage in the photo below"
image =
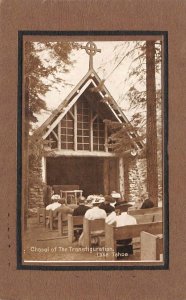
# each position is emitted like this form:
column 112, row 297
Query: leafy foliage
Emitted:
column 144, row 97
column 42, row 63
column 123, row 138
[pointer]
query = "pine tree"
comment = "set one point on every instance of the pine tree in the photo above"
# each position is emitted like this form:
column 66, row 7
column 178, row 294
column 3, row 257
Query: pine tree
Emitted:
column 145, row 98
column 151, row 145
column 39, row 76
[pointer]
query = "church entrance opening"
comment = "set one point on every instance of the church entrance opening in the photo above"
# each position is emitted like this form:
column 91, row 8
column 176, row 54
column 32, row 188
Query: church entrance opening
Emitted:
column 93, row 175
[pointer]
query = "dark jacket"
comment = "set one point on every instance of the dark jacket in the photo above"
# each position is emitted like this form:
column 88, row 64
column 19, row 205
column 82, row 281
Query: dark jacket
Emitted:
column 80, row 210
column 107, row 207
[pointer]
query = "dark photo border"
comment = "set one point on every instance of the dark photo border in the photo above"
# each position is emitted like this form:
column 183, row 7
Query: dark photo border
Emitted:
column 165, row 264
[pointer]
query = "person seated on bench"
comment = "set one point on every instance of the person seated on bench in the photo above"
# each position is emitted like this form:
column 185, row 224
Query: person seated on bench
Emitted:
column 108, row 208
column 55, row 199
column 94, row 213
column 80, row 211
column 120, row 218
column 63, row 209
column 82, row 208
column 116, row 198
column 147, row 204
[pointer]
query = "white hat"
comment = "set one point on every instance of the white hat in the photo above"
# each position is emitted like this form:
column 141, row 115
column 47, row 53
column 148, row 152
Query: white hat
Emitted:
column 115, row 195
column 98, row 200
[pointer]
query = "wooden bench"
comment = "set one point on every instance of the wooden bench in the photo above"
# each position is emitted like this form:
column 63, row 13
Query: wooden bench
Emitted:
column 151, row 246
column 153, row 210
column 147, row 215
column 46, row 216
column 62, row 222
column 114, row 234
column 144, row 218
column 157, row 217
column 41, row 212
column 92, row 228
column 73, row 223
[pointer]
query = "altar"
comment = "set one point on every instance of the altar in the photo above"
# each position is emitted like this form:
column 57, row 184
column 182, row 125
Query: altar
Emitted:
column 72, row 194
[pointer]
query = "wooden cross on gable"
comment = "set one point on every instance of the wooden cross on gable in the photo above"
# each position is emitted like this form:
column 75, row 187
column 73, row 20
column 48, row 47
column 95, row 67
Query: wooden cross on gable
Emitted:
column 91, row 49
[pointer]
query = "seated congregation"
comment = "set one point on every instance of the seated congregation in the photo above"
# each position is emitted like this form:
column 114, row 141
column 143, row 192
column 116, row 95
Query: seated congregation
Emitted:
column 107, row 221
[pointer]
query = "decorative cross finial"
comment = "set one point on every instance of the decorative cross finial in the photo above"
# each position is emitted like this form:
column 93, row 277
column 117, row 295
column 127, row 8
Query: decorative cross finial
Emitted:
column 91, row 49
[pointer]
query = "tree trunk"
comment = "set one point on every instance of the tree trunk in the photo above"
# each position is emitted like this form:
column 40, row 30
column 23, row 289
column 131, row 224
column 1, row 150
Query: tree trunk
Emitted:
column 25, row 159
column 152, row 170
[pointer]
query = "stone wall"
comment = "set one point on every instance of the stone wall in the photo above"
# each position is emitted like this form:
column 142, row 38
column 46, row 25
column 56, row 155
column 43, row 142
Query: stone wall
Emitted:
column 136, row 179
column 136, row 183
column 35, row 188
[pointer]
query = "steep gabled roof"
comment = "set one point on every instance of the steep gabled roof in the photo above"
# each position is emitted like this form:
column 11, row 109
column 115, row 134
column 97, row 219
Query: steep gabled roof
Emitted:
column 91, row 78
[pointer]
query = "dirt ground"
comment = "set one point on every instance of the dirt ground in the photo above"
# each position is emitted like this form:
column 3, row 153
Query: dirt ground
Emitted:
column 43, row 244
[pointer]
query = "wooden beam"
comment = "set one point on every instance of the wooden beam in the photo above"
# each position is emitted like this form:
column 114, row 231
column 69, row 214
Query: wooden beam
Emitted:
column 113, row 175
column 82, row 153
column 106, row 176
column 121, row 177
column 93, row 119
column 75, row 127
column 113, row 101
column 67, row 108
column 67, row 99
column 126, row 181
column 71, row 114
column 113, row 111
column 93, row 106
column 53, row 132
column 59, row 136
column 106, row 138
column 43, row 162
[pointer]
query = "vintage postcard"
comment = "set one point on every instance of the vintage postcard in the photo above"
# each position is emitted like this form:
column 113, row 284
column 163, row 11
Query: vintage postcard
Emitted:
column 92, row 145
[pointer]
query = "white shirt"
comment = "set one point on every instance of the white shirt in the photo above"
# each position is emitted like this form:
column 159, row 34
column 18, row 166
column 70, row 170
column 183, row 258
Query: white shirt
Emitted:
column 53, row 206
column 95, row 213
column 121, row 220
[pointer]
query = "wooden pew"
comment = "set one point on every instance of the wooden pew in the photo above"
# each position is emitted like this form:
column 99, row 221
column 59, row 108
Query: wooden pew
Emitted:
column 147, row 215
column 144, row 218
column 92, row 228
column 41, row 213
column 151, row 246
column 45, row 215
column 49, row 219
column 62, row 222
column 73, row 221
column 114, row 234
column 153, row 210
column 157, row 217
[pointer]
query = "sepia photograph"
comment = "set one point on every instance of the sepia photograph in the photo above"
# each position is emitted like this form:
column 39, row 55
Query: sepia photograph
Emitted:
column 93, row 151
